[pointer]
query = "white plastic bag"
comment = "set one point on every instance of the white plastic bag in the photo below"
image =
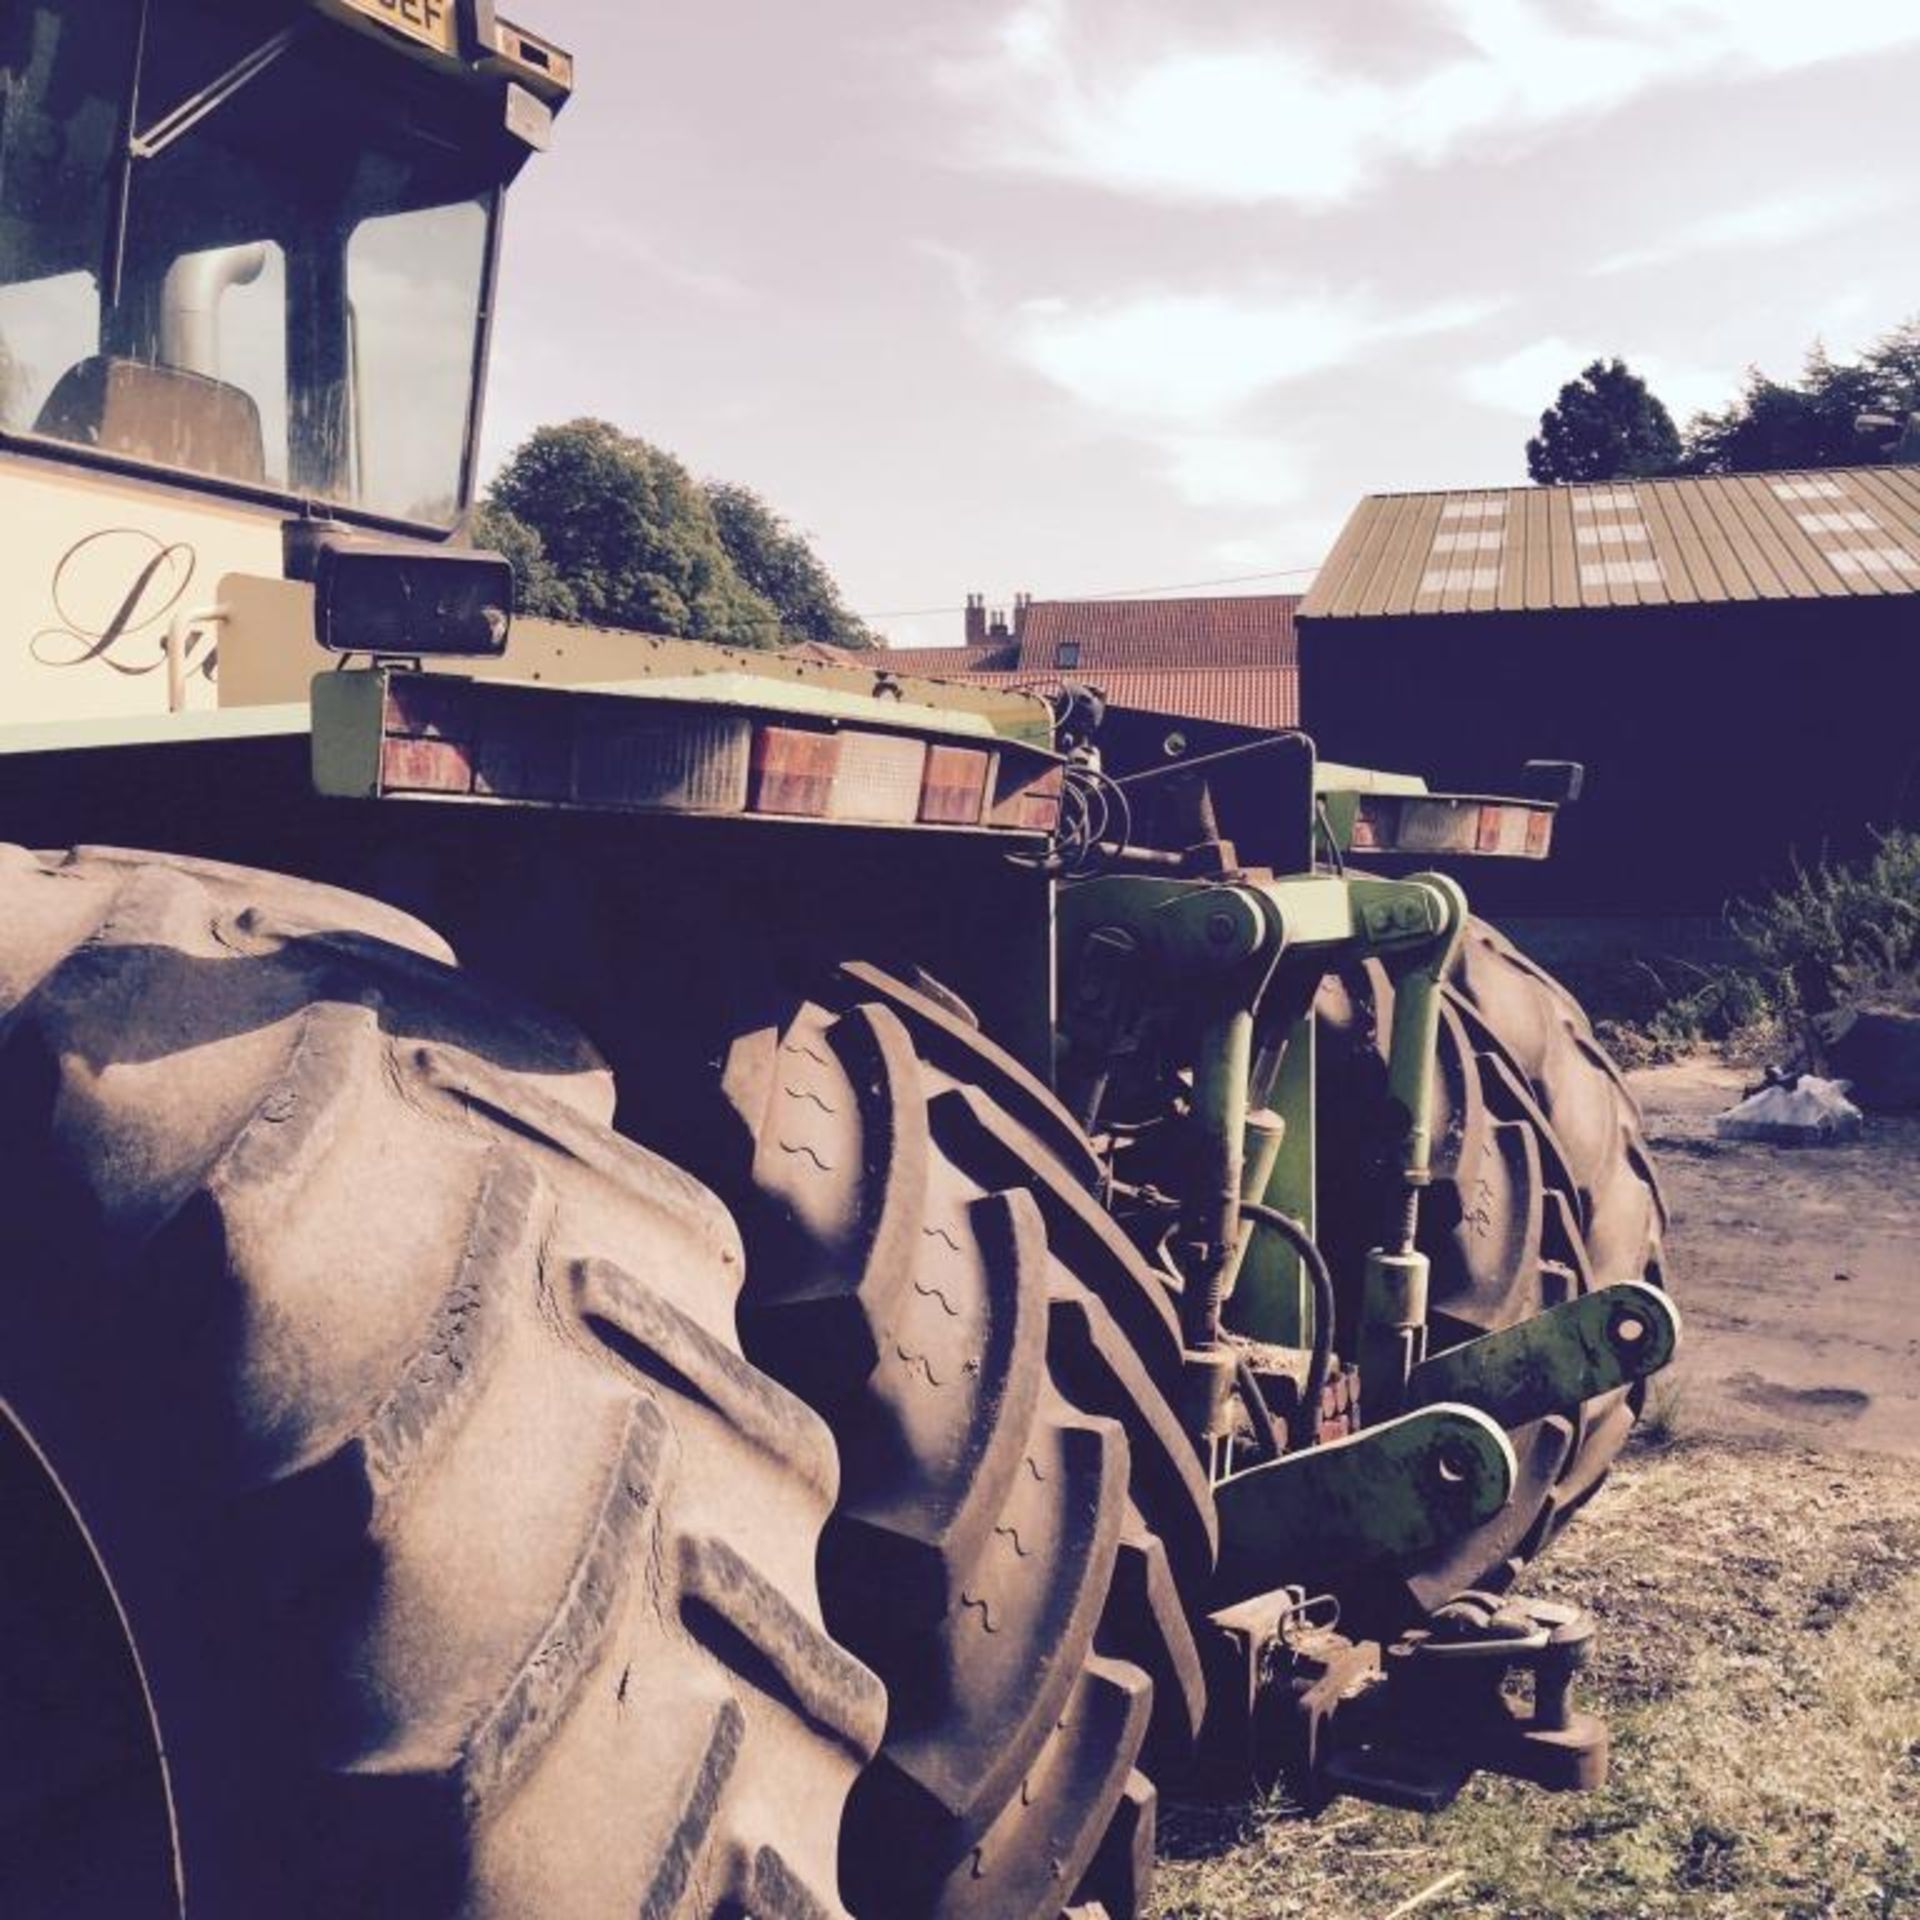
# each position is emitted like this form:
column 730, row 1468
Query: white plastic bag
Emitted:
column 1811, row 1112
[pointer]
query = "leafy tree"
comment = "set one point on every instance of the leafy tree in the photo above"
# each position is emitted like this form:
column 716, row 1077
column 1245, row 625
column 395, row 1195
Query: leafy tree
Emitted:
column 602, row 527
column 631, row 534
column 537, row 588
column 1811, row 423
column 1604, row 425
column 777, row 563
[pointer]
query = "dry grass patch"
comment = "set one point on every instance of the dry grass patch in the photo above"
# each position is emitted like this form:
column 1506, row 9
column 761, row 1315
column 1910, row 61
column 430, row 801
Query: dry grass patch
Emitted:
column 1759, row 1662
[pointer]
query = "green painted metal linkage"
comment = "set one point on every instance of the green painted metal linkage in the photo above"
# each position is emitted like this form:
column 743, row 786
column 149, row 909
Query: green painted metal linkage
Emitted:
column 1400, row 1488
column 1554, row 1361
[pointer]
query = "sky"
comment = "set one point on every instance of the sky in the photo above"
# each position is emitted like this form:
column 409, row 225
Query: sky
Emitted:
column 1075, row 297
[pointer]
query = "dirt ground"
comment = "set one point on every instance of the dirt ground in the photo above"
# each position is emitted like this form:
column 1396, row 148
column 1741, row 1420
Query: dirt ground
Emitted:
column 1797, row 1270
column 1754, row 1569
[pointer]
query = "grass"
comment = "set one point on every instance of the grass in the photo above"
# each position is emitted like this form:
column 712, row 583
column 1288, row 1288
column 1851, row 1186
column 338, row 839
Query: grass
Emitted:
column 1759, row 1664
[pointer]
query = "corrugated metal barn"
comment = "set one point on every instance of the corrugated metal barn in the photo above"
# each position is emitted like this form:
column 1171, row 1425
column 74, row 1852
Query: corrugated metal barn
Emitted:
column 1736, row 660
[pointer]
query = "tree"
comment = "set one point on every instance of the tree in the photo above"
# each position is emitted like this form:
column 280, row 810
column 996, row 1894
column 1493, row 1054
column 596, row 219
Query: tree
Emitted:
column 778, row 564
column 631, row 535
column 537, row 587
column 1604, row 425
column 1811, row 424
column 604, row 528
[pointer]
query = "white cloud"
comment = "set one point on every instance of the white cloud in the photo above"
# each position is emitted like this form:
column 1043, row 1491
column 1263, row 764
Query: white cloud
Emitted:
column 1181, row 356
column 602, row 238
column 1281, row 557
column 960, row 269
column 1267, row 121
column 1687, row 389
column 1199, row 357
column 1527, row 381
column 1177, row 372
column 1235, row 470
column 1765, row 223
column 1849, row 317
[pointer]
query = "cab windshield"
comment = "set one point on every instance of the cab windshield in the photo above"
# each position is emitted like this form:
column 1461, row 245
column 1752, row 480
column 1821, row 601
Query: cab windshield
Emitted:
column 243, row 242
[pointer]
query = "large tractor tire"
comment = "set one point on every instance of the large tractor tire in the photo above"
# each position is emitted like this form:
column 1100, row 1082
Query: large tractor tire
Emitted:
column 1023, row 1523
column 467, row 1566
column 1542, row 1190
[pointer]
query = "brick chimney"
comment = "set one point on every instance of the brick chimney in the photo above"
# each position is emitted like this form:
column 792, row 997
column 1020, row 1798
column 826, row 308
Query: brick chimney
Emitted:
column 1021, row 602
column 976, row 619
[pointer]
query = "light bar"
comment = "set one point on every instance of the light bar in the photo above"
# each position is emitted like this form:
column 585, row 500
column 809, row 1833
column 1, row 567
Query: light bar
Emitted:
column 388, row 733
column 1457, row 824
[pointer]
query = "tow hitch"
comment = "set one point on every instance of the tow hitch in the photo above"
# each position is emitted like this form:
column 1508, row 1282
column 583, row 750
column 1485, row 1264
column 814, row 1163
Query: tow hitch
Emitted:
column 1487, row 1686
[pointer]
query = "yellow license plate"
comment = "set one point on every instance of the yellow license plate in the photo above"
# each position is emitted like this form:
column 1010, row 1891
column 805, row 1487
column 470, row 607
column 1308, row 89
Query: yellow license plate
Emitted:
column 430, row 22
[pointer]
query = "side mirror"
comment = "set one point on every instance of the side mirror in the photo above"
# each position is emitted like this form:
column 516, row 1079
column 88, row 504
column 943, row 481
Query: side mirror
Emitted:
column 1561, row 781
column 411, row 601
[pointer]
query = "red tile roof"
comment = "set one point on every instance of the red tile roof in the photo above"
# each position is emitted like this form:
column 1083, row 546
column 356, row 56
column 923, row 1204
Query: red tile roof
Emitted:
column 822, row 653
column 1248, row 630
column 938, row 660
column 1204, row 659
column 1241, row 696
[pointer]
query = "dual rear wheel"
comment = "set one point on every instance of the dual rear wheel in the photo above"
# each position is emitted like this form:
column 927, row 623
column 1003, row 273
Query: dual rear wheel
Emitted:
column 465, row 1537
column 1542, row 1190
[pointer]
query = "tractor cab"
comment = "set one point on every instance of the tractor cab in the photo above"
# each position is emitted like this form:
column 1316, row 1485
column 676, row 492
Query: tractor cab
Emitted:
column 246, row 245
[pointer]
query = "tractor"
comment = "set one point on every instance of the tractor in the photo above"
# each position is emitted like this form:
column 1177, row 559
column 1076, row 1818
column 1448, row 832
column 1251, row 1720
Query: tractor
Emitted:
column 945, row 1258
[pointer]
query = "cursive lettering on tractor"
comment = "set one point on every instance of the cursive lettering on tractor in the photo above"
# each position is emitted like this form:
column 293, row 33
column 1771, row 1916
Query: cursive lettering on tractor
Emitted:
column 113, row 592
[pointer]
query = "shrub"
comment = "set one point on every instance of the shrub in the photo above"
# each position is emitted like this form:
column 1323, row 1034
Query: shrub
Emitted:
column 1839, row 933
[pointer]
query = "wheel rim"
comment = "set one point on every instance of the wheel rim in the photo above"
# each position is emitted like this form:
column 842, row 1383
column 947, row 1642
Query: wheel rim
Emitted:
column 86, row 1821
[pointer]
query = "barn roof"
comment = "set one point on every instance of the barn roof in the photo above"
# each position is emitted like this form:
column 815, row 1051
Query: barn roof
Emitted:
column 1839, row 533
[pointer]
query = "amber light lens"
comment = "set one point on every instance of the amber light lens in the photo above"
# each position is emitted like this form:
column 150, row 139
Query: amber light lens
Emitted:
column 954, row 793
column 425, row 766
column 1033, row 805
column 793, row 771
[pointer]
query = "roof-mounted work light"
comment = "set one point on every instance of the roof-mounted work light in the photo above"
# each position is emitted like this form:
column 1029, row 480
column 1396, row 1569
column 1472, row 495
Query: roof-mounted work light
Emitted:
column 407, row 602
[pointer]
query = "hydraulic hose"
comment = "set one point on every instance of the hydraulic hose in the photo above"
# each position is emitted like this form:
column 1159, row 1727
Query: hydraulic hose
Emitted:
column 1305, row 1422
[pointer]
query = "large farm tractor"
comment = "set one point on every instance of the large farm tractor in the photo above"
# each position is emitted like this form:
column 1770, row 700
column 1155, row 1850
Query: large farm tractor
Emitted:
column 947, row 1258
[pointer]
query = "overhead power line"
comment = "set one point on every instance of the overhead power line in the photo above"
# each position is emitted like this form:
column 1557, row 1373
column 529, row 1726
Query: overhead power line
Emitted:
column 1114, row 593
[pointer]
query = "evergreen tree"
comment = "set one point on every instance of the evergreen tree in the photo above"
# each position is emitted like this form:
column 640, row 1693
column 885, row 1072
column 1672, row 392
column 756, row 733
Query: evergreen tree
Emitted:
column 1604, row 426
column 1812, row 423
